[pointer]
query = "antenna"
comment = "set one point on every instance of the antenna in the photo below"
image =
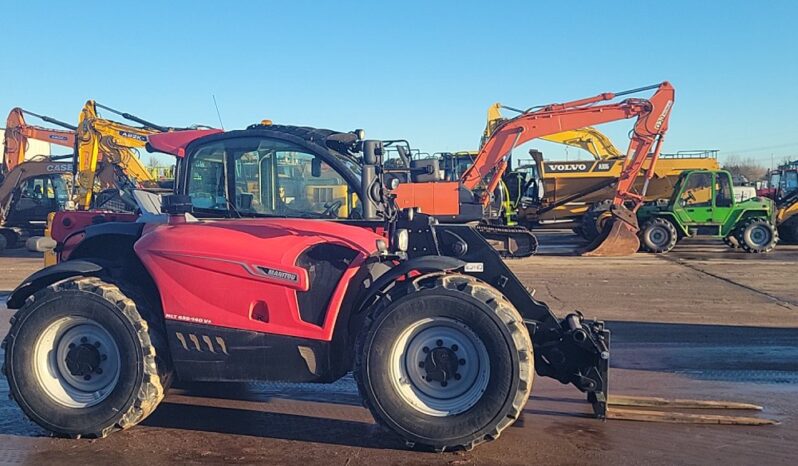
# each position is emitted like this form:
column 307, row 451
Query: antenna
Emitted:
column 218, row 114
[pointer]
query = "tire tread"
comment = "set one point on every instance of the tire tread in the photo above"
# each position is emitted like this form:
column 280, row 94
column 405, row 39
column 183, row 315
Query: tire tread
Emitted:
column 506, row 312
column 751, row 249
column 154, row 384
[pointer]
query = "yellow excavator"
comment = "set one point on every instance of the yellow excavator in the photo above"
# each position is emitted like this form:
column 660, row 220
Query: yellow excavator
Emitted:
column 783, row 189
column 104, row 144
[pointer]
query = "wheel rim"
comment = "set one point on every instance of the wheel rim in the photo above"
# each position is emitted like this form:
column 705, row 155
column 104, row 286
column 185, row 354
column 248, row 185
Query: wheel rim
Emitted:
column 440, row 367
column 77, row 362
column 759, row 235
column 658, row 236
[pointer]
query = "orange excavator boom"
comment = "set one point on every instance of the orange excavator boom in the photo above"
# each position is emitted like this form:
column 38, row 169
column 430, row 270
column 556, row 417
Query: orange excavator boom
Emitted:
column 18, row 131
column 652, row 121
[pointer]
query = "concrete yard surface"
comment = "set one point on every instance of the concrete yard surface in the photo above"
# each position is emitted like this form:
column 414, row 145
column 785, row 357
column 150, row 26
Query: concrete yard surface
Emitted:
column 703, row 322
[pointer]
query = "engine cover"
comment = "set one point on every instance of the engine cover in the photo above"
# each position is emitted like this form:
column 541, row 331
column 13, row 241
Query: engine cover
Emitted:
column 279, row 276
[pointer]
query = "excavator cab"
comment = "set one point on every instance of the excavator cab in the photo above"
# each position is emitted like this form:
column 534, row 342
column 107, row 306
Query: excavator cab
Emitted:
column 36, row 197
column 28, row 194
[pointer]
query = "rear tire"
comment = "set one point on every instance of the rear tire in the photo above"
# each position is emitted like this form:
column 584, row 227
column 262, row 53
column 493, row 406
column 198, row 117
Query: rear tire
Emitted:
column 2, row 243
column 81, row 359
column 658, row 235
column 757, row 235
column 447, row 363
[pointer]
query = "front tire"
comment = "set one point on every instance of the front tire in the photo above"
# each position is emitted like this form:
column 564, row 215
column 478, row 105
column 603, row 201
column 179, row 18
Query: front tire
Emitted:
column 758, row 235
column 81, row 360
column 447, row 364
column 658, row 236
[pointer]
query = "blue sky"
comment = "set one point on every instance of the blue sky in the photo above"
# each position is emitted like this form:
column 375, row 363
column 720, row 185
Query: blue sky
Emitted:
column 425, row 71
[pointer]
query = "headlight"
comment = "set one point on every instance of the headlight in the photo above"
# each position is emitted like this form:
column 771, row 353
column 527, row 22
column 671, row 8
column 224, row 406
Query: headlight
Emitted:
column 401, row 240
column 393, row 183
column 382, row 246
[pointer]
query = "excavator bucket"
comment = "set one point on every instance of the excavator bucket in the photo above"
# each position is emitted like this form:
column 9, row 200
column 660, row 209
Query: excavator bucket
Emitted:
column 618, row 236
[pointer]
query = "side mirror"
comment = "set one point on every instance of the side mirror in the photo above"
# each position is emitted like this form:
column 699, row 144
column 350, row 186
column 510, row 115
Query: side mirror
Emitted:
column 315, row 167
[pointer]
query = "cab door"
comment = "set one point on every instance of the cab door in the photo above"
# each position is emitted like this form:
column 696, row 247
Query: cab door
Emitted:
column 695, row 199
column 724, row 198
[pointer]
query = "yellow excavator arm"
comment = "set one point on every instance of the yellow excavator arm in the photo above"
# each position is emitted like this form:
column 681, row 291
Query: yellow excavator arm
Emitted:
column 101, row 140
column 588, row 138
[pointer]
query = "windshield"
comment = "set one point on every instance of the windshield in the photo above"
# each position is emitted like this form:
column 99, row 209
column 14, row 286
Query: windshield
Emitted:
column 789, row 183
column 774, row 180
column 269, row 177
column 457, row 164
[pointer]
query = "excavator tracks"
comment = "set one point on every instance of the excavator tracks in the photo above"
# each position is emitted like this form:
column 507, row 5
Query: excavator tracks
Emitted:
column 510, row 241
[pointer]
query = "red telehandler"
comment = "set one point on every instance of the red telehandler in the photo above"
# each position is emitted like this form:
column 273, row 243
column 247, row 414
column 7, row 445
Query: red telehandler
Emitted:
column 466, row 199
column 443, row 339
column 290, row 282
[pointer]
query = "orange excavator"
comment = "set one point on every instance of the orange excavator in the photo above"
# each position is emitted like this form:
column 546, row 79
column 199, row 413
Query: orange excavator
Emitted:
column 18, row 132
column 31, row 185
column 465, row 200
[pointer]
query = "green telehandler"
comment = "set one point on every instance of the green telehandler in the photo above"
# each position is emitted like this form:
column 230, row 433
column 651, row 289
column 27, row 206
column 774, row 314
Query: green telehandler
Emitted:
column 703, row 204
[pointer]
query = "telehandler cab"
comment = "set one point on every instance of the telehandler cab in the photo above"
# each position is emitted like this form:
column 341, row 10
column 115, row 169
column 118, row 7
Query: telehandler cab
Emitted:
column 703, row 204
column 295, row 284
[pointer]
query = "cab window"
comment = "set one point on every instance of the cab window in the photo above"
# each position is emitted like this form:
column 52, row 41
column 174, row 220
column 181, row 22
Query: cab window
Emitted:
column 206, row 183
column 51, row 188
column 697, row 190
column 268, row 177
column 723, row 190
column 789, row 182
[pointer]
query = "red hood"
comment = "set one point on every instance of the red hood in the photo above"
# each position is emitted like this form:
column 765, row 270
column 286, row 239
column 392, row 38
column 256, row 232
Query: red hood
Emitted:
column 357, row 237
column 175, row 142
column 239, row 236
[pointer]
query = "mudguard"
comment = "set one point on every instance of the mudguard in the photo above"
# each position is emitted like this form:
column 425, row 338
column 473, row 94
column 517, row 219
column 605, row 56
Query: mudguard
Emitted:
column 50, row 275
column 423, row 264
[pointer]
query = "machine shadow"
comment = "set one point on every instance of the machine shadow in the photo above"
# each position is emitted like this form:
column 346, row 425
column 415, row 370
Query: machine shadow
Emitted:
column 272, row 425
column 263, row 392
column 708, row 352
